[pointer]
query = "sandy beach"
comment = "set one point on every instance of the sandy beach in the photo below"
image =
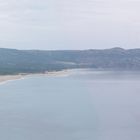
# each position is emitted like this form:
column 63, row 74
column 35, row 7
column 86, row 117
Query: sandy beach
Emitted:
column 58, row 73
column 4, row 78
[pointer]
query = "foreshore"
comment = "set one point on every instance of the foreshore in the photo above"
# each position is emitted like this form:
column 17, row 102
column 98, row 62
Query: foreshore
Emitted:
column 6, row 78
column 58, row 73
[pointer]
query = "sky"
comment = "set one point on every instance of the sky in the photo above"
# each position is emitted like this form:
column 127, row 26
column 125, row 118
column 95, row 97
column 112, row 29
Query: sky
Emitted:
column 69, row 24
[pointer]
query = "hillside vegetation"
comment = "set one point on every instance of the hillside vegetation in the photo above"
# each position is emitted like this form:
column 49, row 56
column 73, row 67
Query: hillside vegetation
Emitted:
column 33, row 61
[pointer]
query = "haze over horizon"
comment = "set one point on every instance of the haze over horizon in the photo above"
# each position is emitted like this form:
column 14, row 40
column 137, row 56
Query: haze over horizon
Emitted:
column 65, row 49
column 69, row 24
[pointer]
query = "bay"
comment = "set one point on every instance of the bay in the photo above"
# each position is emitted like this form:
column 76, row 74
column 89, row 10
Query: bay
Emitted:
column 80, row 105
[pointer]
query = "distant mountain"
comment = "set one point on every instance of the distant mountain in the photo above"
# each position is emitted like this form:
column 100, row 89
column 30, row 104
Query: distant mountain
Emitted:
column 33, row 61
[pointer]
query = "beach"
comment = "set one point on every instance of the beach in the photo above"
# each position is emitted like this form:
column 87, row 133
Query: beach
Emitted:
column 58, row 73
column 5, row 78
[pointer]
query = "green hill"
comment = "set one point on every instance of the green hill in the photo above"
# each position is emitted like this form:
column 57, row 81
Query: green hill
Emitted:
column 14, row 61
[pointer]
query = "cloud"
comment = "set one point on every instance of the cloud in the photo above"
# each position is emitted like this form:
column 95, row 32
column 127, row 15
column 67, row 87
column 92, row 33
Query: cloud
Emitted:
column 68, row 24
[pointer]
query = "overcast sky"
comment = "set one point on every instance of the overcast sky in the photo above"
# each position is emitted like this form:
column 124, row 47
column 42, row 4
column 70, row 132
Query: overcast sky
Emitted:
column 69, row 24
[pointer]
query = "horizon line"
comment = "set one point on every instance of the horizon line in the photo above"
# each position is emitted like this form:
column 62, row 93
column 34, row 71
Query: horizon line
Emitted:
column 115, row 48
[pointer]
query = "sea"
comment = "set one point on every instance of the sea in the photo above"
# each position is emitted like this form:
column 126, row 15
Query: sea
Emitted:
column 82, row 104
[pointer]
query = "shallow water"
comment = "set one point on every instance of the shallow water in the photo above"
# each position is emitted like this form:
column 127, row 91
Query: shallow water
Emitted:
column 84, row 105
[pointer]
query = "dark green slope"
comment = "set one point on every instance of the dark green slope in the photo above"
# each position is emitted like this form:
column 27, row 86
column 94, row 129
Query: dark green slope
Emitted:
column 28, row 61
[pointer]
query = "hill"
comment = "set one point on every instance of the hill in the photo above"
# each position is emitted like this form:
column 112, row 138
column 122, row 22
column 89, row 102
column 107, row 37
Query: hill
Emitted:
column 14, row 61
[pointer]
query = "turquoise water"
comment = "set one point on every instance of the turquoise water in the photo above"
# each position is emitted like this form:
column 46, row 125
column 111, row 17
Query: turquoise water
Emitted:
column 83, row 105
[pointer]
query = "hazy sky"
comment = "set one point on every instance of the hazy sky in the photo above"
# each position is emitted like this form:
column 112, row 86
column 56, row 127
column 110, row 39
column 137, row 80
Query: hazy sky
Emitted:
column 69, row 24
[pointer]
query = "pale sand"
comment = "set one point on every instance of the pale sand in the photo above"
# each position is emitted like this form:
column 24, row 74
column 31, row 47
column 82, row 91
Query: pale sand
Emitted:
column 58, row 73
column 5, row 78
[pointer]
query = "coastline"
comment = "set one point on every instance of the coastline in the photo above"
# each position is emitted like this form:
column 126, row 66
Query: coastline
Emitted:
column 6, row 78
column 62, row 73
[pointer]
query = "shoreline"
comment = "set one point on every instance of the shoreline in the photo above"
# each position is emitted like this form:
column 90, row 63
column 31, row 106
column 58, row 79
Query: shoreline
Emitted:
column 58, row 73
column 7, row 78
column 65, row 72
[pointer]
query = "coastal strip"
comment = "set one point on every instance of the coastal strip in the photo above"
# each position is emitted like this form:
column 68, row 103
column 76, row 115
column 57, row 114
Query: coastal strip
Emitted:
column 6, row 78
column 64, row 72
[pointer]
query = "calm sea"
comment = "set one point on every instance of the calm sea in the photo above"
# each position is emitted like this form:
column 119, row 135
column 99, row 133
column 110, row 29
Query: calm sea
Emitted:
column 80, row 105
